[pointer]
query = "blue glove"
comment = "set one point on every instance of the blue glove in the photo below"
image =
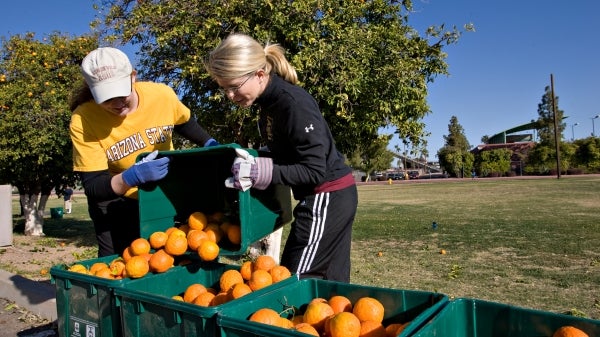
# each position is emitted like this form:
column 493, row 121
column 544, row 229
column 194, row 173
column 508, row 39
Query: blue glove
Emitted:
column 249, row 171
column 211, row 142
column 146, row 170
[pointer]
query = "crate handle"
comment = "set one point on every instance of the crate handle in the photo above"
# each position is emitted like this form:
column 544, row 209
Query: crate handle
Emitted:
column 93, row 290
column 139, row 307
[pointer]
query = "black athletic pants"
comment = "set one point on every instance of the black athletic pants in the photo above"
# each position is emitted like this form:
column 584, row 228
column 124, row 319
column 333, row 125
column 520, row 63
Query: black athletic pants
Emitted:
column 117, row 224
column 321, row 235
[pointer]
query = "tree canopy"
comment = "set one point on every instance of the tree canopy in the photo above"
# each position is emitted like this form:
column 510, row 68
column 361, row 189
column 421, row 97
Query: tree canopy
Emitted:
column 455, row 156
column 36, row 79
column 361, row 60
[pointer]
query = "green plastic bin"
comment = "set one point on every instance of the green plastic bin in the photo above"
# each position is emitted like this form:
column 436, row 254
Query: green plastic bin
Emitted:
column 400, row 306
column 196, row 182
column 56, row 212
column 147, row 308
column 477, row 318
column 85, row 304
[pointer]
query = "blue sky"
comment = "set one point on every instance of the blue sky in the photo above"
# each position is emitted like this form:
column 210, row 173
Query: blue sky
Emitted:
column 497, row 73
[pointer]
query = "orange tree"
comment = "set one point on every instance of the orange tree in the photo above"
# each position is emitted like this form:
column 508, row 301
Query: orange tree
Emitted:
column 36, row 78
column 361, row 60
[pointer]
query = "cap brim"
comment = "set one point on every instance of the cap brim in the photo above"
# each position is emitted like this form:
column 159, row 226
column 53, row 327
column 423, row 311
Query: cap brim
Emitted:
column 107, row 90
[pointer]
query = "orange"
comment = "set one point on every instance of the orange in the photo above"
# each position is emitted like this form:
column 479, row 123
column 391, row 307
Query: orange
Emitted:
column 97, row 266
column 170, row 230
column 297, row 319
column 204, row 299
column 158, row 239
column 192, row 291
column 340, row 303
column 137, row 267
column 184, row 228
column 220, row 298
column 285, row 323
column 117, row 266
column 234, row 234
column 127, row 254
column 216, row 217
column 214, row 232
column 140, row 246
column 230, row 278
column 569, row 331
column 260, row 279
column 306, row 328
column 197, row 220
column 176, row 232
column 371, row 329
column 394, row 329
column 279, row 273
column 344, row 324
column 318, row 299
column 368, row 309
column 316, row 313
column 224, row 226
column 246, row 270
column 239, row 290
column 195, row 238
column 264, row 262
column 208, row 250
column 160, row 261
column 176, row 245
column 266, row 316
column 104, row 273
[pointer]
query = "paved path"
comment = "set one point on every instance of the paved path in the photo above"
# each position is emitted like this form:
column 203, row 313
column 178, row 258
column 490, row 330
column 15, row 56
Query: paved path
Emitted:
column 39, row 297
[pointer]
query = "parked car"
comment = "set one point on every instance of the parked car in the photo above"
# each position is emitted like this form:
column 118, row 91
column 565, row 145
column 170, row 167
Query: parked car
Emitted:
column 396, row 176
column 413, row 174
column 433, row 176
column 377, row 176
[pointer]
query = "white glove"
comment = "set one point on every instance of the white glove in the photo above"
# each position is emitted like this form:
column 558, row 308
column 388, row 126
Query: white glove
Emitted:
column 249, row 171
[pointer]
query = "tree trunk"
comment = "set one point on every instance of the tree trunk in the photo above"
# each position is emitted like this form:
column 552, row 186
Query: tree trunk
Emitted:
column 34, row 218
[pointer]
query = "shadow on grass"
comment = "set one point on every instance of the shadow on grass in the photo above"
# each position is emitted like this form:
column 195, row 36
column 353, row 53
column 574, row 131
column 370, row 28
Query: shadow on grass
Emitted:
column 78, row 232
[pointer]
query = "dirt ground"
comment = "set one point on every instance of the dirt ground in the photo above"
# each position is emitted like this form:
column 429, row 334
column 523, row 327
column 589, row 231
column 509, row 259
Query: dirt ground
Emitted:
column 18, row 321
column 33, row 257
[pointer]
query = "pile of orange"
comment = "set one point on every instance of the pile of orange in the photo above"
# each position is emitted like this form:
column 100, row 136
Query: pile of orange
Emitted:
column 569, row 331
column 114, row 270
column 233, row 284
column 335, row 317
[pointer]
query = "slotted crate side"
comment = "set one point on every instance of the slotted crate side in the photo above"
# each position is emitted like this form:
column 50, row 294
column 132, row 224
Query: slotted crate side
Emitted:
column 464, row 317
column 400, row 306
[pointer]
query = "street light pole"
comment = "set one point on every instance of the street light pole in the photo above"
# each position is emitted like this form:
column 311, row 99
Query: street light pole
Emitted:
column 573, row 131
column 594, row 131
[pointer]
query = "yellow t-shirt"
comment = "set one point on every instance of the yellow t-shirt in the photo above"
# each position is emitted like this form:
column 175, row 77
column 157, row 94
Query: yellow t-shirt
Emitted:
column 102, row 140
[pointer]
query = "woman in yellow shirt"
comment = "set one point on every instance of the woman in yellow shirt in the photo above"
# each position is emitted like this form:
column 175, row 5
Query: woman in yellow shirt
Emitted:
column 115, row 118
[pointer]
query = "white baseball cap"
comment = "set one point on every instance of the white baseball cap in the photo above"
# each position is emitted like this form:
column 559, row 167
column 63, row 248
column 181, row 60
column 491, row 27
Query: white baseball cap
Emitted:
column 107, row 72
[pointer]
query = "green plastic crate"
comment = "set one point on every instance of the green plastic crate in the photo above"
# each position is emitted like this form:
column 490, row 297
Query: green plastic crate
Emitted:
column 85, row 304
column 400, row 306
column 477, row 318
column 195, row 182
column 147, row 308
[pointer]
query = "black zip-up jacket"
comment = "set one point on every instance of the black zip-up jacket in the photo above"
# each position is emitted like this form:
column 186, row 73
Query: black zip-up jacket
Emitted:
column 298, row 137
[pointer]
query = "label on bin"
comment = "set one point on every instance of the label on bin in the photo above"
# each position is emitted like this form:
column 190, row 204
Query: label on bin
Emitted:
column 83, row 328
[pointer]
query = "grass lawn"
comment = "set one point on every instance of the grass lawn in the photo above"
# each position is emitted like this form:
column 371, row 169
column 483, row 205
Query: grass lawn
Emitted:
column 526, row 242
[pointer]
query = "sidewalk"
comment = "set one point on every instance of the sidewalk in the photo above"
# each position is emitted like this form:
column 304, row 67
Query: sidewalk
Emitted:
column 39, row 297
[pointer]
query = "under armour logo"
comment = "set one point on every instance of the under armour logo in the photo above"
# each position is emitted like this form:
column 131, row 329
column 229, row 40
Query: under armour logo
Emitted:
column 309, row 128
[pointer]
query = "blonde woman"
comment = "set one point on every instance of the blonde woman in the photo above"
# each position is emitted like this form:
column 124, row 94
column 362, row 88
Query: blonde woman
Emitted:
column 302, row 155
